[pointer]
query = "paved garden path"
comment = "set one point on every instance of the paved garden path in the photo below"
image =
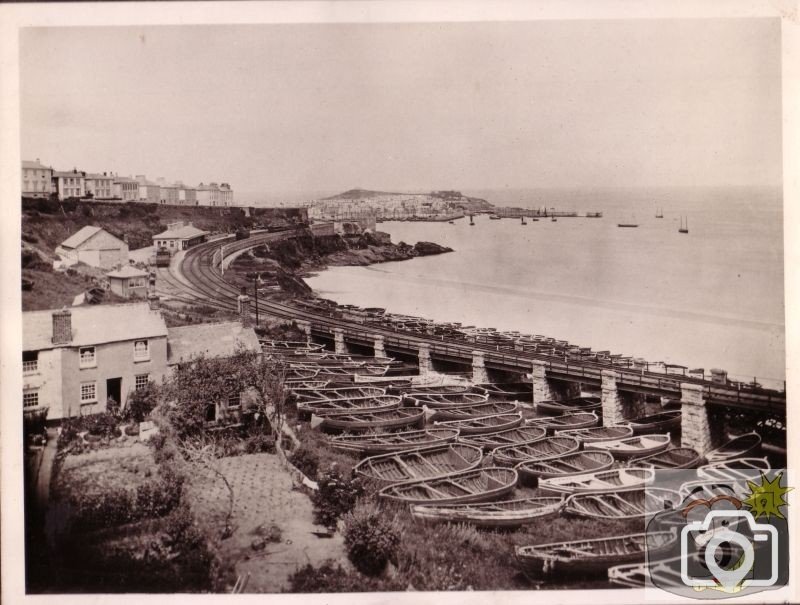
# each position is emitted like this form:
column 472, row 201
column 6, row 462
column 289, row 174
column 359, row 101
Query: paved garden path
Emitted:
column 264, row 496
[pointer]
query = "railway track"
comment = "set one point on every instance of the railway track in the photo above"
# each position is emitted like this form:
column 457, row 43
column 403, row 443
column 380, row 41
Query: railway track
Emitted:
column 201, row 269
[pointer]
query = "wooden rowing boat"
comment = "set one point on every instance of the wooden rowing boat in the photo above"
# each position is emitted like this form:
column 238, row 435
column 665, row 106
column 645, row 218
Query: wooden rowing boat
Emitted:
column 630, row 447
column 516, row 391
column 743, row 446
column 305, row 384
column 423, row 463
column 382, row 443
column 598, row 433
column 676, row 457
column 736, row 469
column 474, row 410
column 622, row 504
column 305, row 394
column 443, row 400
column 365, row 420
column 656, row 423
column 575, row 404
column 534, row 451
column 580, row 420
column 589, row 557
column 477, row 485
column 490, row 441
column 577, row 463
column 505, row 513
column 432, row 390
column 631, row 575
column 323, row 407
column 608, row 480
column 482, row 424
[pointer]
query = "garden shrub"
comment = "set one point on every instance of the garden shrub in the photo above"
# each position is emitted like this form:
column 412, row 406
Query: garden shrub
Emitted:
column 260, row 444
column 306, row 460
column 330, row 577
column 370, row 537
column 104, row 424
column 336, row 496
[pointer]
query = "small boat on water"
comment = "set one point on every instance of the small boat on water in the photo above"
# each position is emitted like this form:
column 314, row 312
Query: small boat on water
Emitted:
column 580, row 420
column 623, row 504
column 656, row 423
column 477, row 485
column 518, row 391
column 523, row 221
column 606, row 481
column 734, row 470
column 494, row 217
column 574, row 404
column 482, row 424
column 598, row 433
column 676, row 457
column 423, row 463
column 495, row 439
column 684, row 228
column 576, row 463
column 474, row 410
column 323, row 407
column 534, row 451
column 383, row 443
column 631, row 447
column 743, row 446
column 660, row 213
column 629, row 225
column 443, row 400
column 590, row 557
column 366, row 420
column 505, row 513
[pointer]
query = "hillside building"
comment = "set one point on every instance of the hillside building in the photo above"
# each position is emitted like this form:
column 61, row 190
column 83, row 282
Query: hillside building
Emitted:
column 37, row 179
column 95, row 247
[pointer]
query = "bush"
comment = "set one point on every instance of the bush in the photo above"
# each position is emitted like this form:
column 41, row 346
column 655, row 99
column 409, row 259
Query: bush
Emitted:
column 260, row 444
column 330, row 577
column 102, row 425
column 306, row 460
column 142, row 402
column 336, row 496
column 371, row 540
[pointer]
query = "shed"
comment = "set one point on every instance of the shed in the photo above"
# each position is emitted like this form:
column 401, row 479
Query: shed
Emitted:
column 94, row 246
column 128, row 281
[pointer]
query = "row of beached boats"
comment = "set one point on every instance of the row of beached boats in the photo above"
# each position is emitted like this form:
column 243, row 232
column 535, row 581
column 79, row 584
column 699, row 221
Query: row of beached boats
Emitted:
column 470, row 454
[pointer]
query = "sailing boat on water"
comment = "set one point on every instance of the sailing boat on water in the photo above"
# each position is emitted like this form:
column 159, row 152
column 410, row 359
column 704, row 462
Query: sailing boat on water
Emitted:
column 524, row 222
column 471, row 222
column 631, row 223
column 660, row 213
column 553, row 215
column 684, row 228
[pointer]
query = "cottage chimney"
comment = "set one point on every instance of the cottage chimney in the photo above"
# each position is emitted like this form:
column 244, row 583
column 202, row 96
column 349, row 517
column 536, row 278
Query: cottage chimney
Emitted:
column 244, row 310
column 38, row 161
column 62, row 327
column 154, row 301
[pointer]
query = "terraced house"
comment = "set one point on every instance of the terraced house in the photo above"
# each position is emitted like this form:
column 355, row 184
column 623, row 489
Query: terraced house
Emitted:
column 75, row 359
column 37, row 179
column 70, row 184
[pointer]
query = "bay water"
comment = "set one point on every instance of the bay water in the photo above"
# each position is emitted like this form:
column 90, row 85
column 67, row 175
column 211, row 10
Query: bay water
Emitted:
column 712, row 298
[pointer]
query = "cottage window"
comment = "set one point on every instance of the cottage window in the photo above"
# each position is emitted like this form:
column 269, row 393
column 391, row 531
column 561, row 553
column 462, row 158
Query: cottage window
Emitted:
column 30, row 399
column 211, row 412
column 141, row 350
column 88, row 357
column 88, row 392
column 30, row 362
column 141, row 381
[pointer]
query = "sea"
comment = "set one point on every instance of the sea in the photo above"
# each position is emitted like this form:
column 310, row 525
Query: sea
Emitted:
column 712, row 298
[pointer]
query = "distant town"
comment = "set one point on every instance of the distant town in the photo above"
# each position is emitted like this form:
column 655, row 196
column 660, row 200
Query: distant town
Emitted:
column 43, row 181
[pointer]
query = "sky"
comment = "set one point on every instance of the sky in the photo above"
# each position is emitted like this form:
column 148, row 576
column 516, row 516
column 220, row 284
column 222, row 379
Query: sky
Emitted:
column 411, row 107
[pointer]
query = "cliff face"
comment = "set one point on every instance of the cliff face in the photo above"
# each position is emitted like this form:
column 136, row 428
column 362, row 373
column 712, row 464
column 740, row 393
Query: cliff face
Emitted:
column 284, row 263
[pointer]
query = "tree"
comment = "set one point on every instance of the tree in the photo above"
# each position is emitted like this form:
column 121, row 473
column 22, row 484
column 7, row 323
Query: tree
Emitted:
column 205, row 381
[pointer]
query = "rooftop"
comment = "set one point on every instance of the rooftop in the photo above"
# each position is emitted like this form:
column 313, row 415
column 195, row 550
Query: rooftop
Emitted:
column 209, row 340
column 34, row 164
column 128, row 271
column 94, row 325
column 76, row 239
column 184, row 232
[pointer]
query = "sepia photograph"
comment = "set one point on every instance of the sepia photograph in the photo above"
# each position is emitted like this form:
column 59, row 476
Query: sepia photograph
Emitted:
column 388, row 298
